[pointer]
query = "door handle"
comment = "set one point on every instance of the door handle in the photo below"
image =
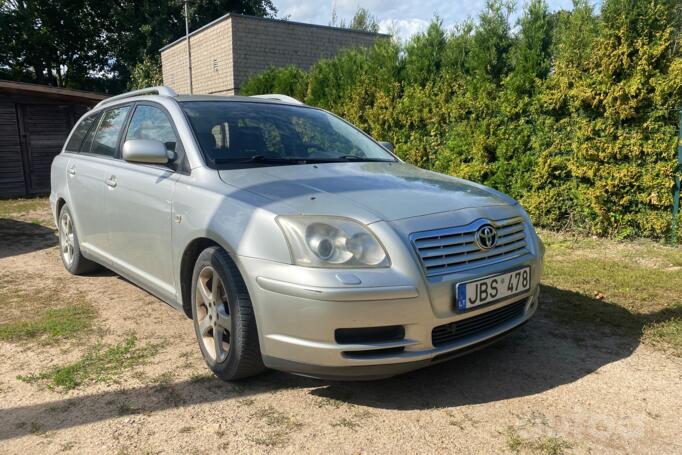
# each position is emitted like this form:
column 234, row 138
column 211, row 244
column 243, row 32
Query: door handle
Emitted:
column 72, row 171
column 111, row 181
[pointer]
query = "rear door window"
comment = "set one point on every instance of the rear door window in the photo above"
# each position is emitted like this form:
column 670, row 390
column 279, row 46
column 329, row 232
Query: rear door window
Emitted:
column 79, row 133
column 108, row 132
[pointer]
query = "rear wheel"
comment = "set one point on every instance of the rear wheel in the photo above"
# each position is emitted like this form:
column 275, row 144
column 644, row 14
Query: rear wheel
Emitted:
column 69, row 246
column 224, row 322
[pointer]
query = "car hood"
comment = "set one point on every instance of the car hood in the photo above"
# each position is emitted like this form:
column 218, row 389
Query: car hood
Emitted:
column 367, row 191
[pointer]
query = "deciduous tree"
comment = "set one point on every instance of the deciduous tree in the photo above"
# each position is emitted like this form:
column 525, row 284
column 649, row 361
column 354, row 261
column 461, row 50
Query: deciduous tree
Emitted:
column 92, row 44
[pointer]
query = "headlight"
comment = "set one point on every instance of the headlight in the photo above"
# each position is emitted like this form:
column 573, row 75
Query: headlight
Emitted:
column 327, row 241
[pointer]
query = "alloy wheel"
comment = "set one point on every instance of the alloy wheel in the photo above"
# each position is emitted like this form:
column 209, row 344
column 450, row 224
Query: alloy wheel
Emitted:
column 66, row 237
column 213, row 314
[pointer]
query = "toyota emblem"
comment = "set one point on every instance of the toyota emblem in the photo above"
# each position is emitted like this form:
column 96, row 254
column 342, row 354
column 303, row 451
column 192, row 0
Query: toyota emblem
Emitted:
column 486, row 237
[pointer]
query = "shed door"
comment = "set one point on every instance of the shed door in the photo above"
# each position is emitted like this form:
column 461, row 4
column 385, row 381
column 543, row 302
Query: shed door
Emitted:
column 11, row 169
column 44, row 128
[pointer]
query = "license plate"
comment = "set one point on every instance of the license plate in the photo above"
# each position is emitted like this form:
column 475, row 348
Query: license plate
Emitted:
column 493, row 288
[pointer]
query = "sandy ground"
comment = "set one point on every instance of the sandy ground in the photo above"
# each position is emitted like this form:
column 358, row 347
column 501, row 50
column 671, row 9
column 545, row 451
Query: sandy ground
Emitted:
column 548, row 388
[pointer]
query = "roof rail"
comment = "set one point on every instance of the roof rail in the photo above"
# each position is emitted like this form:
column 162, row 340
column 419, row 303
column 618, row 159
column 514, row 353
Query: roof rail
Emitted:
column 160, row 90
column 278, row 97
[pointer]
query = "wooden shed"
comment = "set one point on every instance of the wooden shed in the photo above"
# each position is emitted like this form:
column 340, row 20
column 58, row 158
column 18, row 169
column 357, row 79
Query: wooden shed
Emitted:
column 34, row 123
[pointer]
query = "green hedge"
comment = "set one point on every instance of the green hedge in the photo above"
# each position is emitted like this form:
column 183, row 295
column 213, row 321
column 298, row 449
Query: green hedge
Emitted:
column 573, row 113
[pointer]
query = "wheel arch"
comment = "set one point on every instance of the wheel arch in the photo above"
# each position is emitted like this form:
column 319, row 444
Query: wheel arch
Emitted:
column 188, row 259
column 61, row 202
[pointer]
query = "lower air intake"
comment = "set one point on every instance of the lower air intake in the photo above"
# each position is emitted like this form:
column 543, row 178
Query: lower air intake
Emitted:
column 459, row 330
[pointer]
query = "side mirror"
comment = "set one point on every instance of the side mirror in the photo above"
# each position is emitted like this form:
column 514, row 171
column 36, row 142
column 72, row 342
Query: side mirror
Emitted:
column 145, row 151
column 387, row 145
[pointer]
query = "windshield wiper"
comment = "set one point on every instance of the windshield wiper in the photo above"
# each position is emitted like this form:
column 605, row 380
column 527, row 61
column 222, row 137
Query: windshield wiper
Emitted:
column 360, row 158
column 295, row 160
column 254, row 159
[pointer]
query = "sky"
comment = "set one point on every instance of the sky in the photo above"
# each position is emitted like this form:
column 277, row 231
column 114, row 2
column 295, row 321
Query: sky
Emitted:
column 402, row 17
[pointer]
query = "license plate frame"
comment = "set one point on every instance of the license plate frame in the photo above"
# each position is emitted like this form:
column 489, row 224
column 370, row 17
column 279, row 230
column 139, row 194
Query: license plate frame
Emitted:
column 462, row 304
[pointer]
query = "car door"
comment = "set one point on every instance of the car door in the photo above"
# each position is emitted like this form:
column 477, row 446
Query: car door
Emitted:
column 86, row 175
column 140, row 206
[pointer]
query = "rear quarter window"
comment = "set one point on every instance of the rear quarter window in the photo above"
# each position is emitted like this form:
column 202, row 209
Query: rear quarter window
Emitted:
column 79, row 133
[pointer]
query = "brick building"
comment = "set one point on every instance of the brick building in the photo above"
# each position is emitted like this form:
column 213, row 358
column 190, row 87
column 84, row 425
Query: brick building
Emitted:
column 227, row 51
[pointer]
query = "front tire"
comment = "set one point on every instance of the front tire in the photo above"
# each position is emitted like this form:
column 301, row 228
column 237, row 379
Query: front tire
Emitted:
column 224, row 322
column 69, row 247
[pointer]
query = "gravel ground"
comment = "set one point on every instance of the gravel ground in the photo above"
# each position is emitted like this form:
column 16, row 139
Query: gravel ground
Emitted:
column 551, row 388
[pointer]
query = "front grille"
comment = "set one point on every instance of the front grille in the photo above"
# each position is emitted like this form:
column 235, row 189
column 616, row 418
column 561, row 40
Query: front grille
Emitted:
column 458, row 330
column 451, row 250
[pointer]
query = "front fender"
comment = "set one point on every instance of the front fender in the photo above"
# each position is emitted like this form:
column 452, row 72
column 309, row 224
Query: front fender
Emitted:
column 243, row 223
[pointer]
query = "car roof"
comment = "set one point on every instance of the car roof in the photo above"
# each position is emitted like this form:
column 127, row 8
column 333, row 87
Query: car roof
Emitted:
column 198, row 98
column 166, row 93
column 228, row 98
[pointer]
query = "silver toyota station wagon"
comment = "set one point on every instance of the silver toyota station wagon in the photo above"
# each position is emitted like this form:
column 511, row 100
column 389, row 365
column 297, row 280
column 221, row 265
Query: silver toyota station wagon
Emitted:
column 293, row 240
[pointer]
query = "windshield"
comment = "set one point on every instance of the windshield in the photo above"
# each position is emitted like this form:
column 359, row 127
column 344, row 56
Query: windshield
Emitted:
column 231, row 132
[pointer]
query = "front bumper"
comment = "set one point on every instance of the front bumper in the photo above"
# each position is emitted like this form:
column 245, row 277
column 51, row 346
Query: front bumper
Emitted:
column 371, row 372
column 297, row 321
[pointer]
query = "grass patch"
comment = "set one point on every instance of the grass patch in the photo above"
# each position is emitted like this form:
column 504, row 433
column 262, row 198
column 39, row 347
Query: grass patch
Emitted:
column 100, row 364
column 246, row 402
column 164, row 380
column 124, row 409
column 667, row 333
column 546, row 445
column 30, row 211
column 9, row 207
column 164, row 384
column 68, row 446
column 55, row 323
column 461, row 421
column 345, row 422
column 272, row 417
column 35, row 428
column 275, row 438
column 202, row 378
column 328, row 402
column 354, row 422
column 280, row 426
column 187, row 357
column 46, row 312
column 629, row 288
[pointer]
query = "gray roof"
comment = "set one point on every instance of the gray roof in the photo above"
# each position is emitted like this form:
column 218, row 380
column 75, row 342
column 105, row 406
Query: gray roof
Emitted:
column 23, row 88
column 284, row 21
